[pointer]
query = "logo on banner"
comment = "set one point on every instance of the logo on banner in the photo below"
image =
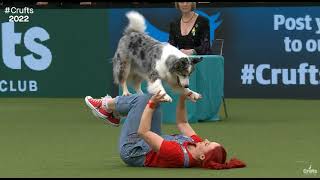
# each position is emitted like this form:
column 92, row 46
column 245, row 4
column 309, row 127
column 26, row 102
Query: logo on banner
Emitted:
column 10, row 39
column 31, row 40
column 310, row 171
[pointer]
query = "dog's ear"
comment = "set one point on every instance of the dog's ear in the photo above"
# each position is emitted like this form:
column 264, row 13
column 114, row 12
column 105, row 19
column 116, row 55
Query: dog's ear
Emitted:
column 177, row 64
column 181, row 62
column 196, row 60
column 184, row 59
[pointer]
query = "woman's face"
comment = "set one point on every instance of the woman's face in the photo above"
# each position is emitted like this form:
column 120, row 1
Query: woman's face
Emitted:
column 185, row 7
column 205, row 146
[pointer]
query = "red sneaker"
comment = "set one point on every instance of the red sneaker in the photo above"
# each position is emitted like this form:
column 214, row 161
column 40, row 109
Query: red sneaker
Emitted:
column 96, row 107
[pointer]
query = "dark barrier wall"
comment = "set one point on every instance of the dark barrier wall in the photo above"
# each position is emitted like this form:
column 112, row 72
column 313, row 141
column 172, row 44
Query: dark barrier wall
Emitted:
column 269, row 52
column 58, row 53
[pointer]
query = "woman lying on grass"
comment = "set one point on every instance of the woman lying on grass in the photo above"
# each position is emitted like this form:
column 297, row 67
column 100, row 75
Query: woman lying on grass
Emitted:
column 142, row 143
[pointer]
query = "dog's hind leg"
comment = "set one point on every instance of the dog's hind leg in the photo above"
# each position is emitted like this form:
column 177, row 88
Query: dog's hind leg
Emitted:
column 137, row 80
column 123, row 78
column 121, row 70
column 125, row 90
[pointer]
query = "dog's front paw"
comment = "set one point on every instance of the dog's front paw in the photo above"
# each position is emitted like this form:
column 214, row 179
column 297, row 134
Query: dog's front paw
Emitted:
column 167, row 98
column 194, row 96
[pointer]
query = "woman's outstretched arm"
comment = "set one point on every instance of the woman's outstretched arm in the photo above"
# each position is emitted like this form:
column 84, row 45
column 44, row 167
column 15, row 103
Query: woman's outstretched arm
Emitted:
column 154, row 140
column 182, row 118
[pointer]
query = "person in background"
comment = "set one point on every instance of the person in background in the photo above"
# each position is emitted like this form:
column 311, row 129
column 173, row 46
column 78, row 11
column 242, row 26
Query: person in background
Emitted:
column 191, row 32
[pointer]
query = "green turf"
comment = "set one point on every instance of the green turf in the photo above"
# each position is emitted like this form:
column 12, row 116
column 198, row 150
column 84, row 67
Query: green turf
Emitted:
column 60, row 138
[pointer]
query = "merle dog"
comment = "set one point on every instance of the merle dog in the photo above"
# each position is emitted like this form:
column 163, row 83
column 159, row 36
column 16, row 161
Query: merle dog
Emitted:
column 140, row 57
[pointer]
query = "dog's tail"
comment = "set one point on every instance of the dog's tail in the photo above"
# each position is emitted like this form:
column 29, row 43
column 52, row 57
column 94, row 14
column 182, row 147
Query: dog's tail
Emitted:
column 136, row 22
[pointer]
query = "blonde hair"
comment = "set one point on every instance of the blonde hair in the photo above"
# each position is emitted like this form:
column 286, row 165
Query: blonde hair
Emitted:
column 193, row 5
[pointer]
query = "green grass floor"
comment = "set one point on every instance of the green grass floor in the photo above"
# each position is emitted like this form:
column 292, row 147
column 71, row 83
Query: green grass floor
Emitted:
column 60, row 138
